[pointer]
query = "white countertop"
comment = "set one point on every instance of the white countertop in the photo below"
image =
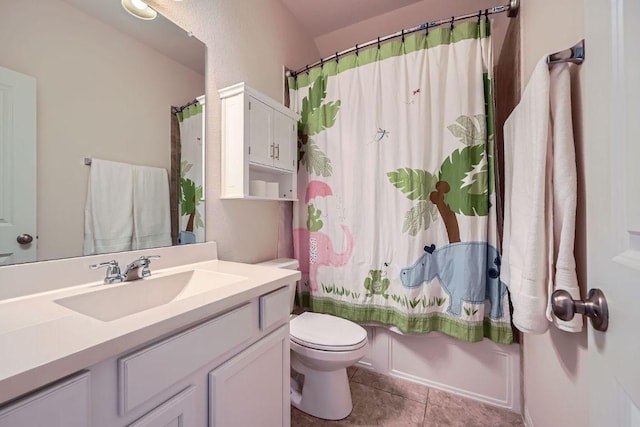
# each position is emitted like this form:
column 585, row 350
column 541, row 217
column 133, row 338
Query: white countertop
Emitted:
column 42, row 341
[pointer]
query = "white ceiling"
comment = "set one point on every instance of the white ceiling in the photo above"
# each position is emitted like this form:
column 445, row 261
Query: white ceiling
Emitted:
column 325, row 16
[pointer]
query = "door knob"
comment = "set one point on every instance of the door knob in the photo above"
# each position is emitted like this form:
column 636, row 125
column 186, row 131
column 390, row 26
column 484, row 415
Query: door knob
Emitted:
column 24, row 239
column 594, row 307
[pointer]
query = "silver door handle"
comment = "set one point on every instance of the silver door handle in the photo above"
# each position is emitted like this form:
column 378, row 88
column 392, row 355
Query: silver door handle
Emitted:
column 24, row 239
column 594, row 307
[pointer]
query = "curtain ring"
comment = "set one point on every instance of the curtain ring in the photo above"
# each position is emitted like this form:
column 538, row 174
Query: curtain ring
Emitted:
column 479, row 16
column 378, row 43
column 486, row 15
column 307, row 69
column 357, row 49
column 452, row 19
column 336, row 57
column 402, row 36
column 321, row 63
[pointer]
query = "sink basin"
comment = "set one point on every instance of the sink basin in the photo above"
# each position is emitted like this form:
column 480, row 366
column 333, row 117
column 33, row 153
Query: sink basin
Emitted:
column 113, row 302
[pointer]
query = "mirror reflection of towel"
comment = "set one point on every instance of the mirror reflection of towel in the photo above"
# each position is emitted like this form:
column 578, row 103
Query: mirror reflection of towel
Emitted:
column 151, row 218
column 127, row 208
column 108, row 213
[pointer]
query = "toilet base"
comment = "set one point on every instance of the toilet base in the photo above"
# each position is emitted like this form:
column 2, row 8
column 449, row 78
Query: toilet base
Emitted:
column 325, row 394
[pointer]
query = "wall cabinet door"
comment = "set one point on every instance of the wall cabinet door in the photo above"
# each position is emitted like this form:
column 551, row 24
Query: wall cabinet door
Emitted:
column 252, row 389
column 272, row 136
column 260, row 132
column 285, row 141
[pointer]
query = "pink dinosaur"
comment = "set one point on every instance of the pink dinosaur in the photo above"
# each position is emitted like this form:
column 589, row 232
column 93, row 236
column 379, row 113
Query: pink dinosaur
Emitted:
column 313, row 249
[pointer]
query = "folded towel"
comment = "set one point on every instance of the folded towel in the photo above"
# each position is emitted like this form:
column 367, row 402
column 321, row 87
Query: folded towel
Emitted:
column 540, row 200
column 151, row 217
column 565, row 195
column 108, row 214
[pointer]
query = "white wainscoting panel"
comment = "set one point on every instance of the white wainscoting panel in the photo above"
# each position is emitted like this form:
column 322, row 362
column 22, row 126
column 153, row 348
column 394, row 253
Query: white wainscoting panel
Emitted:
column 482, row 371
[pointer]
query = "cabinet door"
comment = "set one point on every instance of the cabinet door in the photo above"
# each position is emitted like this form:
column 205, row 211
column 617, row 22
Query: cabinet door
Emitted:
column 252, row 389
column 260, row 132
column 179, row 411
column 65, row 404
column 285, row 140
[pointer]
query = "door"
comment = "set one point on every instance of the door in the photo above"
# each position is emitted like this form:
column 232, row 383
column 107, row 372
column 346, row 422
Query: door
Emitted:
column 284, row 138
column 17, row 167
column 252, row 389
column 612, row 154
column 260, row 132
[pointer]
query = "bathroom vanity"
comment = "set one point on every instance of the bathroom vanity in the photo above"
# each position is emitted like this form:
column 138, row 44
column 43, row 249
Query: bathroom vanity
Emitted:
column 213, row 349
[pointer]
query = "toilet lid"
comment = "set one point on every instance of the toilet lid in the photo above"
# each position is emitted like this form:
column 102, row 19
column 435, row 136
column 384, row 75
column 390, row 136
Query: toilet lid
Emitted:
column 326, row 332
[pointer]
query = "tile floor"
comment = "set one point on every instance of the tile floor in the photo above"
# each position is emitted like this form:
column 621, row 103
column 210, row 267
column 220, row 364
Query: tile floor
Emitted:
column 380, row 400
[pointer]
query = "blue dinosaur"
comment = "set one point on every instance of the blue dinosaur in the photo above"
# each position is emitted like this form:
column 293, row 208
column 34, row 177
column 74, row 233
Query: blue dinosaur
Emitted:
column 467, row 271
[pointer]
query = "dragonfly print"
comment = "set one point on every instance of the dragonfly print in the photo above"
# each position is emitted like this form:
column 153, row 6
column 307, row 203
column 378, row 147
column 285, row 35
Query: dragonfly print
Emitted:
column 413, row 96
column 380, row 135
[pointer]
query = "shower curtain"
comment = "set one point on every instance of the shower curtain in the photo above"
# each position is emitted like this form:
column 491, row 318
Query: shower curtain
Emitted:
column 395, row 222
column 190, row 188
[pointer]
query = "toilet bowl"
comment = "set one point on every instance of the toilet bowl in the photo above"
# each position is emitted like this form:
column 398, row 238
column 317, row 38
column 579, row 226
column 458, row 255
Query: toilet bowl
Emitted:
column 322, row 347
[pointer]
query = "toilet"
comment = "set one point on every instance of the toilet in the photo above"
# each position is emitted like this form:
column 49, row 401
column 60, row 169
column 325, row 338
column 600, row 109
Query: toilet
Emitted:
column 322, row 347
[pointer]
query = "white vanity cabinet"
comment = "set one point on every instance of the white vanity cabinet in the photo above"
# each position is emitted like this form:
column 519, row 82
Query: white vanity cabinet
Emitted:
column 227, row 369
column 259, row 142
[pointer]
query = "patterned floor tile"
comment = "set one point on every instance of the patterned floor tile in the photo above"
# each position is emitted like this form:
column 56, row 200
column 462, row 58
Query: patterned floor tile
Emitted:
column 444, row 409
column 400, row 387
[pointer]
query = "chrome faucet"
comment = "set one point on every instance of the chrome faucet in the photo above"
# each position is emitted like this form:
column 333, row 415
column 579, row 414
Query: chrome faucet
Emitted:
column 113, row 271
column 139, row 268
column 134, row 271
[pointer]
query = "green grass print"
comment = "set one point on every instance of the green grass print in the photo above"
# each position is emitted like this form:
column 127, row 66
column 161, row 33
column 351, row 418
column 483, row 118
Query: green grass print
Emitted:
column 340, row 291
column 470, row 311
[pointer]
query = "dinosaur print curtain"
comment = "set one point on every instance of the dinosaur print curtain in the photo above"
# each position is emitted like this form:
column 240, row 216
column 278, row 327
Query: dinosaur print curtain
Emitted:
column 395, row 222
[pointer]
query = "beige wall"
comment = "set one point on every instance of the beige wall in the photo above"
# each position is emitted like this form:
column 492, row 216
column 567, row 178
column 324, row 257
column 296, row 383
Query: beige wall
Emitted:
column 555, row 363
column 250, row 41
column 99, row 94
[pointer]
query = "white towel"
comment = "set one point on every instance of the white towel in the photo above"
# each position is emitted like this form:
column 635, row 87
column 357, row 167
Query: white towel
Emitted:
column 565, row 195
column 108, row 213
column 540, row 200
column 151, row 217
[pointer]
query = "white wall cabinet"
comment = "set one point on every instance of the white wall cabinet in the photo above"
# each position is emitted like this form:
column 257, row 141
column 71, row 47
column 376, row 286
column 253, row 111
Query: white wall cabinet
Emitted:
column 228, row 369
column 259, row 142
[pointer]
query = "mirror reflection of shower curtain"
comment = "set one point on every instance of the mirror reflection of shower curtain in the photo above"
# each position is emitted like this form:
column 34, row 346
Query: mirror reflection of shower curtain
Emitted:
column 190, row 183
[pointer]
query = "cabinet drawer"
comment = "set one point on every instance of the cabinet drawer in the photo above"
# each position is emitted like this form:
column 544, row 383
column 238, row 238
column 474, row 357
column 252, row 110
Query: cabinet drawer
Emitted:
column 148, row 372
column 274, row 308
column 65, row 404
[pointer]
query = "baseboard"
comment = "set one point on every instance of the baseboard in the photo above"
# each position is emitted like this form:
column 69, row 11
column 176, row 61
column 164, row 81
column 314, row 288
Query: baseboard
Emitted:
column 528, row 422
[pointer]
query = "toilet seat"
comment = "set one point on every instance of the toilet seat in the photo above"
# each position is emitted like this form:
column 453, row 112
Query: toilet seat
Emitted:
column 325, row 332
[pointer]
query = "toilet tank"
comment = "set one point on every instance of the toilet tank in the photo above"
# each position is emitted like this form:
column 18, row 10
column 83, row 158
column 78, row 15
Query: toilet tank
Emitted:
column 287, row 264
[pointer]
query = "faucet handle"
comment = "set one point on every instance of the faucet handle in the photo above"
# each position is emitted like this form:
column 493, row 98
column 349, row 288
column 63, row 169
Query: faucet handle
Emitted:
column 145, row 261
column 113, row 271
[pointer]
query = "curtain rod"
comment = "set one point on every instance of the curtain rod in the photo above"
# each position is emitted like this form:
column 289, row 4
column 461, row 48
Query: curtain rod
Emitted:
column 512, row 11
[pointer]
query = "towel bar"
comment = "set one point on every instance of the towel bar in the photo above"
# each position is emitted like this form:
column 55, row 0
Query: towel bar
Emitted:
column 576, row 55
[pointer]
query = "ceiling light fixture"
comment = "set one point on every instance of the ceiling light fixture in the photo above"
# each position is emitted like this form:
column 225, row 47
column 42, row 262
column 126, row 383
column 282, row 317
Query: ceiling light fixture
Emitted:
column 139, row 9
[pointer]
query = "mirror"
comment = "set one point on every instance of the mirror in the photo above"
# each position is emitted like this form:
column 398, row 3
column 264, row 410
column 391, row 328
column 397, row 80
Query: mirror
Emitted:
column 105, row 83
